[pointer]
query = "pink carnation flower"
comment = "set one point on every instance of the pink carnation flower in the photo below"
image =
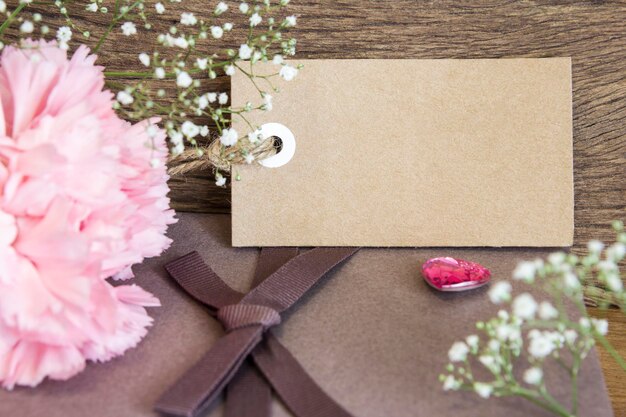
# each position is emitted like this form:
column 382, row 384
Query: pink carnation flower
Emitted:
column 79, row 203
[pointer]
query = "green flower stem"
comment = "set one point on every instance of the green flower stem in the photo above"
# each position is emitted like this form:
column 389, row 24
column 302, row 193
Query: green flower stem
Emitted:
column 11, row 17
column 532, row 396
column 609, row 347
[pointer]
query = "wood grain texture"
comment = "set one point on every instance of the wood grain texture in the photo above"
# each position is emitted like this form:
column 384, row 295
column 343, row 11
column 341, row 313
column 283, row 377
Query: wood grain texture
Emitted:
column 593, row 33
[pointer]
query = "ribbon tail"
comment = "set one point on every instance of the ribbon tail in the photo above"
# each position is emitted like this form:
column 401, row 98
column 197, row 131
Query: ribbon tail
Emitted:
column 195, row 391
column 248, row 394
column 292, row 383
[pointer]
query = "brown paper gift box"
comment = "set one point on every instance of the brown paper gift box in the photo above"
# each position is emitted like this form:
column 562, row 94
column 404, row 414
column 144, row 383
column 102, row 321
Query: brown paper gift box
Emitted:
column 373, row 335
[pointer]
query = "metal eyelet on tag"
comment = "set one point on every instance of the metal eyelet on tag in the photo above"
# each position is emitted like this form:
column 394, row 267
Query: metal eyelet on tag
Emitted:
column 288, row 144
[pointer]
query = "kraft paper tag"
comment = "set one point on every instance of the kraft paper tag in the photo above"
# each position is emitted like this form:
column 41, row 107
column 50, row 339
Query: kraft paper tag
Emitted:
column 414, row 153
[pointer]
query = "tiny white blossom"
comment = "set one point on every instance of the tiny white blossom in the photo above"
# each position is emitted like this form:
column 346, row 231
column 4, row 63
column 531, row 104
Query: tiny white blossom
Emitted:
column 27, row 27
column 601, row 326
column 488, row 361
column 229, row 137
column 92, row 7
column 144, row 59
column 243, row 7
column 220, row 8
column 188, row 19
column 290, row 21
column 458, row 352
column 63, row 35
column 483, row 390
column 540, row 346
column 160, row 9
column 152, row 131
column 267, row 102
column 176, row 137
column 570, row 336
column 159, row 73
column 202, row 63
column 614, row 283
column 533, row 376
column 557, row 258
column 500, row 292
column 595, row 246
column 571, row 281
column 183, row 80
column 547, row 311
column 472, row 341
column 217, row 32
column 228, row 27
column 204, row 131
column 616, row 252
column 129, row 28
column 254, row 137
column 525, row 271
column 3, row 6
column 229, row 70
column 203, row 102
column 284, row 2
column 450, row 383
column 255, row 19
column 190, row 129
column 524, row 306
column 278, row 59
column 220, row 181
column 245, row 52
column 288, row 72
column 222, row 98
column 249, row 158
column 211, row 97
column 181, row 42
column 124, row 98
column 178, row 149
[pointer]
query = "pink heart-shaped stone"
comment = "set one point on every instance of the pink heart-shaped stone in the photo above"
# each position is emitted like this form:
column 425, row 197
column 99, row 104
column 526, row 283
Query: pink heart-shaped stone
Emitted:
column 450, row 274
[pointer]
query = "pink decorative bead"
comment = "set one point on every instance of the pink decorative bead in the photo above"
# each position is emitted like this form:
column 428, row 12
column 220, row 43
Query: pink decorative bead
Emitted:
column 449, row 274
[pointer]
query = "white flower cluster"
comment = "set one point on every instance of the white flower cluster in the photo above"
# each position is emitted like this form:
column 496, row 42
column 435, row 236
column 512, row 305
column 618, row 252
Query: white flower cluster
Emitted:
column 539, row 330
column 184, row 54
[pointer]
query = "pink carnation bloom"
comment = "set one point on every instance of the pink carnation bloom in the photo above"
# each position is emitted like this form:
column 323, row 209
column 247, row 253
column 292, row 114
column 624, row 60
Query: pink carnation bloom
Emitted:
column 79, row 203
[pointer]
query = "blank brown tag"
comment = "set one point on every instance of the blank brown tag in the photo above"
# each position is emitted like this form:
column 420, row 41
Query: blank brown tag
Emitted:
column 414, row 153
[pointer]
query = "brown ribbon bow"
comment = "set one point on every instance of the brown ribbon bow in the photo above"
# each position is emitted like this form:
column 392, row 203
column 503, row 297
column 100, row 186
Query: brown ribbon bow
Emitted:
column 282, row 277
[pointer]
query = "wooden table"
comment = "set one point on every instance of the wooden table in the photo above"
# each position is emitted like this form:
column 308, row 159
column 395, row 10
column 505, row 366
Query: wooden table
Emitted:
column 593, row 33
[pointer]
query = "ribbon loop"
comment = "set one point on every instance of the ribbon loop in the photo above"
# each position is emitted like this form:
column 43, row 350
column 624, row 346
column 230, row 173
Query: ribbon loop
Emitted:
column 236, row 316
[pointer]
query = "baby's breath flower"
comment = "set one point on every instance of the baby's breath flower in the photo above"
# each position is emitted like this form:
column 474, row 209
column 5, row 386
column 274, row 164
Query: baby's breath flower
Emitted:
column 160, row 9
column 3, row 6
column 222, row 98
column 595, row 246
column 229, row 70
column 129, row 28
column 458, row 352
column 183, row 79
column 290, row 21
column 212, row 97
column 245, row 52
column 27, row 27
column 201, row 63
column 254, row 136
column 144, row 59
column 483, row 390
column 217, row 32
column 277, row 60
column 188, row 19
column 159, row 73
column 547, row 311
column 255, row 19
column 524, row 306
column 288, row 72
column 500, row 292
column 229, row 137
column 249, row 158
column 190, row 129
column 533, row 376
column 451, row 384
column 220, row 180
column 124, row 98
column 571, row 281
column 92, row 7
column 541, row 345
column 525, row 271
column 220, row 8
column 228, row 27
column 243, row 7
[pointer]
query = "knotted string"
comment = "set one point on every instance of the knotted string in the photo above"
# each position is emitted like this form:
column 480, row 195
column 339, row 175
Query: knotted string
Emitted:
column 246, row 319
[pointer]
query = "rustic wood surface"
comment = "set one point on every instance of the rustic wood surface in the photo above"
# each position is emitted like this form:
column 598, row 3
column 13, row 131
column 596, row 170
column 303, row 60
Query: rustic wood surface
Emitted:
column 593, row 33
